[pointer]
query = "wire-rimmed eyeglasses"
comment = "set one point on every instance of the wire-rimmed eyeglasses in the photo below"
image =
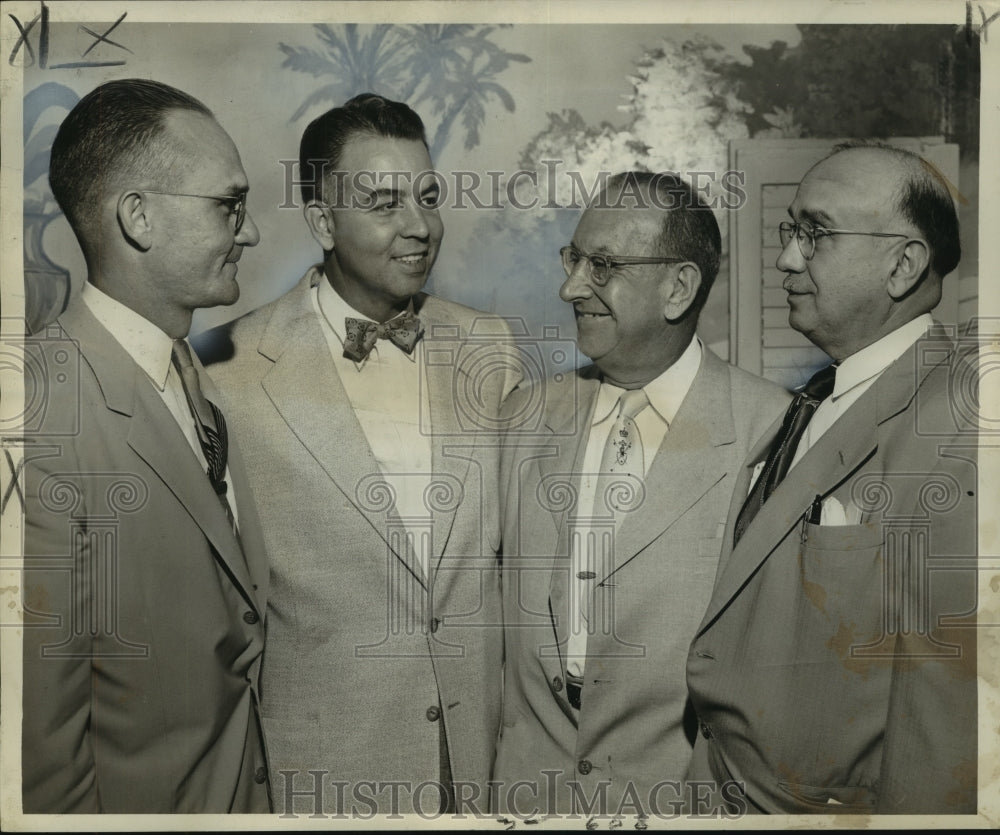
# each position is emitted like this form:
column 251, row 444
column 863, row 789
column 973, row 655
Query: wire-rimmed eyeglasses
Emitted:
column 805, row 235
column 601, row 265
column 235, row 203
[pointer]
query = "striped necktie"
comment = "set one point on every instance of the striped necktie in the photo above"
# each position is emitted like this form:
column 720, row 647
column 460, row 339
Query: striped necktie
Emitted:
column 208, row 422
column 779, row 458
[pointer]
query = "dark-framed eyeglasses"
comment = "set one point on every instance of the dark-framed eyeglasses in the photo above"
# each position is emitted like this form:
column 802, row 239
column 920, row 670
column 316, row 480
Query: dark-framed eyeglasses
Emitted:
column 805, row 235
column 235, row 203
column 601, row 265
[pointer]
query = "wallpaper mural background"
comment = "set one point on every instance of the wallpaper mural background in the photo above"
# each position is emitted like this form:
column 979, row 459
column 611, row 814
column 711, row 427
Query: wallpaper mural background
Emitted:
column 519, row 115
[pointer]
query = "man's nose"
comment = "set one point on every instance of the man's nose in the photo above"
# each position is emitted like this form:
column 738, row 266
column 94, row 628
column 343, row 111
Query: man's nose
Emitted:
column 577, row 284
column 249, row 234
column 415, row 222
column 790, row 259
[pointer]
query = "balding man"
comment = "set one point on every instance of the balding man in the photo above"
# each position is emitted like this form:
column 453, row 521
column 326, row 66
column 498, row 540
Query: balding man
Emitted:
column 145, row 576
column 613, row 512
column 835, row 668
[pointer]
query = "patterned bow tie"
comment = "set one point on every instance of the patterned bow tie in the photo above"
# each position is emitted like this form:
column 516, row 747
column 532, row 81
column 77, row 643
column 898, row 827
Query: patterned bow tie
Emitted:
column 403, row 331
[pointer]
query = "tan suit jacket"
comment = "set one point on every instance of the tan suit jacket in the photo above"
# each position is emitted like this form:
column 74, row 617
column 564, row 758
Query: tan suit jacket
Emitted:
column 365, row 655
column 631, row 733
column 835, row 668
column 144, row 617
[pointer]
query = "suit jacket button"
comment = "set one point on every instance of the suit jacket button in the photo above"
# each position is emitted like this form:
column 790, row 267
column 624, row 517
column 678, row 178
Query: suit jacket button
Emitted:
column 706, row 731
column 584, row 767
column 435, row 624
column 260, row 775
column 250, row 617
column 433, row 713
column 557, row 684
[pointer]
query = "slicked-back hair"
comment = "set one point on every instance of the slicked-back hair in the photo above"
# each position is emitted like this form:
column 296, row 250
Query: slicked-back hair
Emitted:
column 111, row 136
column 924, row 200
column 324, row 140
column 689, row 228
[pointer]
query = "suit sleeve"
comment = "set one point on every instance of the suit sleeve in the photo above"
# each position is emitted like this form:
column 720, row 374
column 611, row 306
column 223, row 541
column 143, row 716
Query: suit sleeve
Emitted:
column 929, row 755
column 58, row 770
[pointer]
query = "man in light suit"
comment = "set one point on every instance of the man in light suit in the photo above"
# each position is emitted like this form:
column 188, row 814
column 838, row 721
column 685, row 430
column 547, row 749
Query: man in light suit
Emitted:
column 145, row 577
column 369, row 408
column 835, row 668
column 595, row 714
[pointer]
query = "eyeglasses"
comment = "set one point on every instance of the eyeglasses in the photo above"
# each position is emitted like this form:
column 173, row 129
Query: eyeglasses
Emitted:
column 236, row 203
column 602, row 265
column 805, row 235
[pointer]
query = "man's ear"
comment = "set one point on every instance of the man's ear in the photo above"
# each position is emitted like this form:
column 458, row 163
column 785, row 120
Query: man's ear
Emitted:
column 683, row 290
column 319, row 219
column 134, row 221
column 911, row 264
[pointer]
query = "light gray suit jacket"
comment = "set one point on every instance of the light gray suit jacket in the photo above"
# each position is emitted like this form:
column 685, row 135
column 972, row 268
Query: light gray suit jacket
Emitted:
column 365, row 655
column 835, row 668
column 144, row 617
column 630, row 734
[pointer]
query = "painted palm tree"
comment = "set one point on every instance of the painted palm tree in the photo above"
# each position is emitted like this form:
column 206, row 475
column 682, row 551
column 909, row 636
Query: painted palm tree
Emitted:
column 468, row 87
column 453, row 67
column 359, row 59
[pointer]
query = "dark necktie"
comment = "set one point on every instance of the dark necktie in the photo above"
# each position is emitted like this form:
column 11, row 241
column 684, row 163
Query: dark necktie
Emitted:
column 403, row 331
column 208, row 422
column 782, row 451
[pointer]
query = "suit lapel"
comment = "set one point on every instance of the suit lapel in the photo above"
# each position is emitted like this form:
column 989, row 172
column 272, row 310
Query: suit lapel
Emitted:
column 569, row 422
column 151, row 424
column 156, row 438
column 451, row 457
column 559, row 478
column 688, row 463
column 251, row 536
column 839, row 452
column 306, row 390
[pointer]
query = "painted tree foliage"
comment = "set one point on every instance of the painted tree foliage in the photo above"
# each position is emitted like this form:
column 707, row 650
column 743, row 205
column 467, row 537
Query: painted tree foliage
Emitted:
column 864, row 81
column 452, row 69
column 688, row 100
column 682, row 113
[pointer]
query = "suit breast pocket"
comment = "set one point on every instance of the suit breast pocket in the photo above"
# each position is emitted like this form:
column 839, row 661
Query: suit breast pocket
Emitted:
column 842, row 572
column 712, row 546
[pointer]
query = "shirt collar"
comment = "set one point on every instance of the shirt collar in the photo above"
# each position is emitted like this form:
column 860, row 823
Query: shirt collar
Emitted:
column 875, row 358
column 335, row 310
column 665, row 393
column 150, row 347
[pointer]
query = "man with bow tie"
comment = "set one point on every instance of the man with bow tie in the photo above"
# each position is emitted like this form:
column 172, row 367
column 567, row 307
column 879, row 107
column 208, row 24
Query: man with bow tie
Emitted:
column 835, row 668
column 376, row 476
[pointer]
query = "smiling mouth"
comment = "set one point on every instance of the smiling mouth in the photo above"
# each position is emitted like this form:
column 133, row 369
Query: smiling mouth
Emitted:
column 415, row 258
column 587, row 314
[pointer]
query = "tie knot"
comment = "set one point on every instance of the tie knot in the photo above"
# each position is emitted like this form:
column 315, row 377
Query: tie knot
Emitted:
column 820, row 385
column 181, row 354
column 403, row 331
column 631, row 402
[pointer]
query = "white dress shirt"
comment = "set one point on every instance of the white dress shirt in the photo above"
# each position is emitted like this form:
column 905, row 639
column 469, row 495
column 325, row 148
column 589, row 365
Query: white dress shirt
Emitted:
column 665, row 393
column 152, row 349
column 385, row 392
column 857, row 374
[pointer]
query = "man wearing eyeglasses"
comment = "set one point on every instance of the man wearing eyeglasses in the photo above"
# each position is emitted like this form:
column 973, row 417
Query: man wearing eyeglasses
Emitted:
column 145, row 576
column 376, row 477
column 835, row 668
column 613, row 517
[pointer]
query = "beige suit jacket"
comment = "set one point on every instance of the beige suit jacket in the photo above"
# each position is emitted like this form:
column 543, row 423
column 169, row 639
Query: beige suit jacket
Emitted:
column 365, row 655
column 144, row 617
column 835, row 668
column 632, row 732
